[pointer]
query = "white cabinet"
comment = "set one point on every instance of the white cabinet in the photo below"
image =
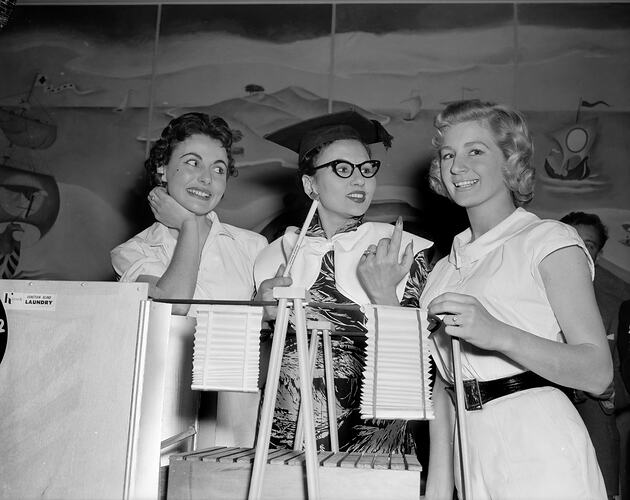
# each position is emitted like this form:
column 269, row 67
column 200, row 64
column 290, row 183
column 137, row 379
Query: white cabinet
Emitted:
column 82, row 390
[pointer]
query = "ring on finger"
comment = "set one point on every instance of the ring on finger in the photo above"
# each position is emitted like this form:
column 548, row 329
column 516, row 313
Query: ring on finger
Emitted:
column 455, row 320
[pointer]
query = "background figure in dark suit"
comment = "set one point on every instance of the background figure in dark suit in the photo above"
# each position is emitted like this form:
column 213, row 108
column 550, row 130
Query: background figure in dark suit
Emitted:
column 623, row 351
column 598, row 412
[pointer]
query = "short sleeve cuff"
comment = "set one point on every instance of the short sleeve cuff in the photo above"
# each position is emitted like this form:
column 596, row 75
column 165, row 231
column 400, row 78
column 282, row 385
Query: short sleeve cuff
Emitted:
column 550, row 236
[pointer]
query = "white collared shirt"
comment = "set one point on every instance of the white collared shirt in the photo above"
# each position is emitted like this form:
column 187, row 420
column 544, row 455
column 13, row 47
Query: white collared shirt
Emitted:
column 500, row 269
column 225, row 273
column 348, row 247
column 227, row 259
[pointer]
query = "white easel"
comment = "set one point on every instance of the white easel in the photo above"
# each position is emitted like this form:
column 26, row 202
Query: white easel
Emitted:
column 323, row 328
column 460, row 407
column 297, row 296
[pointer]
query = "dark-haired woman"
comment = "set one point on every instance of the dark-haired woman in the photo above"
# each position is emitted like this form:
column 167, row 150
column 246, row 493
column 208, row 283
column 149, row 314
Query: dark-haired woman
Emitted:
column 335, row 166
column 188, row 253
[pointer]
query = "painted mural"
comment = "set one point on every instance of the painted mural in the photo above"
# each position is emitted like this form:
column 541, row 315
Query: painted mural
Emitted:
column 85, row 90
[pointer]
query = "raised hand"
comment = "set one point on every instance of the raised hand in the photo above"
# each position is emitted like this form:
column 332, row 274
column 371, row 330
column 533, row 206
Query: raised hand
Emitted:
column 167, row 210
column 380, row 269
column 465, row 317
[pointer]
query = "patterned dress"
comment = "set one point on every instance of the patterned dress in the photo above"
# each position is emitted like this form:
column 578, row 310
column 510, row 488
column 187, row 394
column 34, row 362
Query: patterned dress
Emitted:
column 354, row 433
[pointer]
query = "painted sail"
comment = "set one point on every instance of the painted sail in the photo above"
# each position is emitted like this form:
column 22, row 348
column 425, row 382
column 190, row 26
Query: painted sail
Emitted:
column 569, row 160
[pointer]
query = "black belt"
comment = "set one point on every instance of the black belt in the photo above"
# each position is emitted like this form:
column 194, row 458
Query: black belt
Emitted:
column 477, row 393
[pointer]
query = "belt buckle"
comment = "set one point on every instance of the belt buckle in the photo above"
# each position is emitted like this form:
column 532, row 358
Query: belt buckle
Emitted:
column 472, row 395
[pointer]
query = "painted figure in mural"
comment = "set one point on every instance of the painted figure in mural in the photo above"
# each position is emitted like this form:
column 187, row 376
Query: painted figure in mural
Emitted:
column 517, row 291
column 335, row 167
column 29, row 200
column 189, row 252
column 29, row 205
column 598, row 410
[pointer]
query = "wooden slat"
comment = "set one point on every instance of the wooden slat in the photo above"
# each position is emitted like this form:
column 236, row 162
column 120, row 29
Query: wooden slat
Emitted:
column 194, row 455
column 277, row 454
column 247, row 457
column 233, row 456
column 381, row 461
column 334, row 460
column 413, row 463
column 350, row 461
column 366, row 461
column 282, row 459
column 211, row 455
column 397, row 462
column 322, row 456
column 296, row 460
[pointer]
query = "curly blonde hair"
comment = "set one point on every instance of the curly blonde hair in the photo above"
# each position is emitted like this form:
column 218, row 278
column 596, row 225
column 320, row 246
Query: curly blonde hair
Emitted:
column 511, row 135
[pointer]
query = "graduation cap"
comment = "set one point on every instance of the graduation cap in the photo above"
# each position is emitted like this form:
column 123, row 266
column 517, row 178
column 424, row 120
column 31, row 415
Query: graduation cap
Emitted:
column 304, row 136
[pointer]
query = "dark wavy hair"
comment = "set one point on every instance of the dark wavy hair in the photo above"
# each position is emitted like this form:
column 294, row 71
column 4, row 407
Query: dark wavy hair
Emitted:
column 586, row 219
column 511, row 135
column 181, row 128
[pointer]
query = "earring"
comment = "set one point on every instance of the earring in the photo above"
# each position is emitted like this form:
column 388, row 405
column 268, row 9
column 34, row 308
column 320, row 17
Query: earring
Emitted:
column 161, row 175
column 161, row 171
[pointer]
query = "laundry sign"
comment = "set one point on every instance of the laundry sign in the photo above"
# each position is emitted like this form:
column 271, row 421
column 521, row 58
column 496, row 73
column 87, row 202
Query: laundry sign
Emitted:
column 29, row 301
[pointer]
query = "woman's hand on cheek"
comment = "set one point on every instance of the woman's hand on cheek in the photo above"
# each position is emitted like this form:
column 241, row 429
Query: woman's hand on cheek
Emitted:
column 380, row 269
column 167, row 210
column 465, row 317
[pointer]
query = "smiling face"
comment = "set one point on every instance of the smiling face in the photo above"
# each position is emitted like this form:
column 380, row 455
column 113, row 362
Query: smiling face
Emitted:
column 471, row 166
column 340, row 199
column 196, row 174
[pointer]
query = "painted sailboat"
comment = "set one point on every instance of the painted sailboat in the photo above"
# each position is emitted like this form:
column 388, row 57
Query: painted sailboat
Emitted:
column 570, row 159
